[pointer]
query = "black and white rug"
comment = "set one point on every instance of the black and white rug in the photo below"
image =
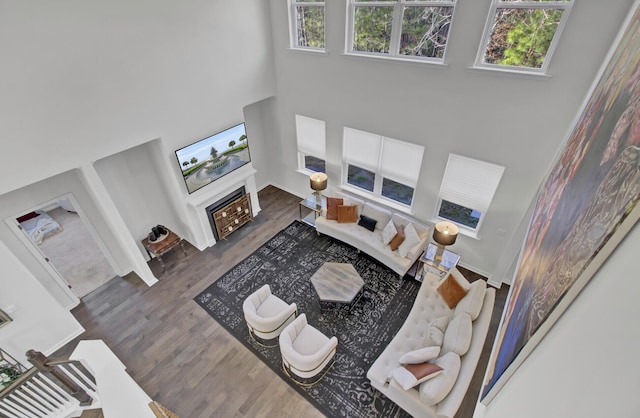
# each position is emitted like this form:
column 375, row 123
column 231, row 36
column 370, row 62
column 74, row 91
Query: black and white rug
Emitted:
column 287, row 262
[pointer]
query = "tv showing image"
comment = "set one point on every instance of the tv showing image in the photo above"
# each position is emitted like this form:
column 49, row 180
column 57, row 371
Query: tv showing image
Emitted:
column 214, row 156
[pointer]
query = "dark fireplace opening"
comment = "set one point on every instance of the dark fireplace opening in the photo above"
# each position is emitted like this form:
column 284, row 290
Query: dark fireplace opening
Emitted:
column 219, row 204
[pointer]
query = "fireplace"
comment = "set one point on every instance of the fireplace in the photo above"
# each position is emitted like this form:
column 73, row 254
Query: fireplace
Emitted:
column 219, row 204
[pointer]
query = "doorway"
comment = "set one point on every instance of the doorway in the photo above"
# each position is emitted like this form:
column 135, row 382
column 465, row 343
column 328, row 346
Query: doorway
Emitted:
column 59, row 236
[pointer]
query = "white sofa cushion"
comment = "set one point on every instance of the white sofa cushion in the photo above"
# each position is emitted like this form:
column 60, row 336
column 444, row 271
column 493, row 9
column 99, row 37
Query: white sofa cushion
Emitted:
column 389, row 232
column 420, row 355
column 435, row 334
column 440, row 323
column 411, row 239
column 423, row 231
column 381, row 215
column 472, row 302
column 434, row 390
column 414, row 374
column 457, row 337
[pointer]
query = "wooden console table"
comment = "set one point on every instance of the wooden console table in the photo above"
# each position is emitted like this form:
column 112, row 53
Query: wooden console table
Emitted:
column 233, row 216
column 159, row 247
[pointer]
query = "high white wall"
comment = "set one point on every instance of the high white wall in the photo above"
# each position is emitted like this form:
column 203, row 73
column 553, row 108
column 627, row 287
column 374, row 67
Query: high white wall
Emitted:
column 586, row 365
column 516, row 121
column 39, row 321
column 85, row 80
column 108, row 82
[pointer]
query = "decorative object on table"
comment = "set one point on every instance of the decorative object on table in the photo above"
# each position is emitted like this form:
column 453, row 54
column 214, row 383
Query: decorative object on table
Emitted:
column 158, row 233
column 286, row 262
column 585, row 206
column 162, row 244
column 10, row 369
column 318, row 182
column 4, row 318
column 444, row 233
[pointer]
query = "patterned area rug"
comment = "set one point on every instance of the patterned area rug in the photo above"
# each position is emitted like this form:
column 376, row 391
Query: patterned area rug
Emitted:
column 287, row 262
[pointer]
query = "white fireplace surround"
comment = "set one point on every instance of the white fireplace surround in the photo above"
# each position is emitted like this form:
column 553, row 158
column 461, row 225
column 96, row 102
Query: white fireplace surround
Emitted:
column 198, row 201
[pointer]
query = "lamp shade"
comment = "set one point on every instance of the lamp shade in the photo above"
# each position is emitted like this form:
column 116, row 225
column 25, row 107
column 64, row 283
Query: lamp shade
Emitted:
column 318, row 181
column 445, row 233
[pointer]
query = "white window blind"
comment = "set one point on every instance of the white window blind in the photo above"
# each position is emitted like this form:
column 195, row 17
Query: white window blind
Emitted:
column 471, row 183
column 361, row 149
column 311, row 136
column 401, row 161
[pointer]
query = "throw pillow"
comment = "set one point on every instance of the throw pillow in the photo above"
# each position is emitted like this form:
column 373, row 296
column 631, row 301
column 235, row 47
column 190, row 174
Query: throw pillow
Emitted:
column 440, row 323
column 435, row 390
column 413, row 374
column 411, row 239
column 332, row 207
column 375, row 212
column 472, row 302
column 389, row 232
column 420, row 355
column 457, row 337
column 367, row 223
column 451, row 291
column 435, row 333
column 462, row 281
column 347, row 213
column 397, row 240
column 435, row 337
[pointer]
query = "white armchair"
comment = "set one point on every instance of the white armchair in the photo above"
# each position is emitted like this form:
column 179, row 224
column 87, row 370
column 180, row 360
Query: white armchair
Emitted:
column 305, row 350
column 267, row 314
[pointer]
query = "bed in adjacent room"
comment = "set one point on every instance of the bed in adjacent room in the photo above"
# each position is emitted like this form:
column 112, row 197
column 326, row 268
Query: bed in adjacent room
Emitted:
column 38, row 226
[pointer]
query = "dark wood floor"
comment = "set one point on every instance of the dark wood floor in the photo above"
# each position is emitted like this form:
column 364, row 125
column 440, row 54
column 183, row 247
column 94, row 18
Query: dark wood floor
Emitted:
column 181, row 357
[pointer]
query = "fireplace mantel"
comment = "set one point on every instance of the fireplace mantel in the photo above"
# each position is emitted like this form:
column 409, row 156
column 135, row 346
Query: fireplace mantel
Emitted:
column 198, row 201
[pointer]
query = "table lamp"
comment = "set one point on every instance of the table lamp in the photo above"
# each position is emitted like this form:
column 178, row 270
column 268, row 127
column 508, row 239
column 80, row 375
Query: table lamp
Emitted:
column 444, row 233
column 318, row 183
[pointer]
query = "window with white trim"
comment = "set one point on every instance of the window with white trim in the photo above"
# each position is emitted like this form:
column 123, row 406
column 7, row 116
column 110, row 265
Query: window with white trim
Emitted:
column 306, row 24
column 467, row 189
column 384, row 167
column 405, row 29
column 520, row 35
column 310, row 134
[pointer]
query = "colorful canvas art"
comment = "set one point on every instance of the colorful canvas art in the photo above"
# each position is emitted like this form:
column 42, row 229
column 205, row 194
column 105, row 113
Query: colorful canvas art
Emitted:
column 588, row 201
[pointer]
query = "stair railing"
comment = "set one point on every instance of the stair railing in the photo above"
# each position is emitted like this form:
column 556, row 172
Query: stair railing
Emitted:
column 52, row 388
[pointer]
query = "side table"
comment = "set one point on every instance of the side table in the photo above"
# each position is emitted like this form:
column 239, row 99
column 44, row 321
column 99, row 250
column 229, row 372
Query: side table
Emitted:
column 315, row 208
column 162, row 245
column 427, row 261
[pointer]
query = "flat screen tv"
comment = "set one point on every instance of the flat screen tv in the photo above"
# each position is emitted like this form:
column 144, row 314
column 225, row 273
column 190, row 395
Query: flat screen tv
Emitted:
column 214, row 156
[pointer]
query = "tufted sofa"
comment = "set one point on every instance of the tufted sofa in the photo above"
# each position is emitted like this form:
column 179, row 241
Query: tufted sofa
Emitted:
column 371, row 242
column 428, row 306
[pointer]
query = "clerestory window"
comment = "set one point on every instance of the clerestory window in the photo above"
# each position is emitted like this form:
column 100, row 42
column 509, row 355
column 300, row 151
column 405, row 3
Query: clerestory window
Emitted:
column 404, row 29
column 520, row 35
column 306, row 24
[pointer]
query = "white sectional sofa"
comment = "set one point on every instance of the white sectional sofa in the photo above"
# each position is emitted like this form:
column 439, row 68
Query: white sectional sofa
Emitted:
column 371, row 242
column 449, row 387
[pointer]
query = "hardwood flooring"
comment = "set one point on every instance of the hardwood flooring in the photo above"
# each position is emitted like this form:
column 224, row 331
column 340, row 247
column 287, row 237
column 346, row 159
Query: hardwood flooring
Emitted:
column 183, row 358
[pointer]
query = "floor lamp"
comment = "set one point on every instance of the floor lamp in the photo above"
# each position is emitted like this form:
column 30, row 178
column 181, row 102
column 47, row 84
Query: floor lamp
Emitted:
column 318, row 183
column 444, row 233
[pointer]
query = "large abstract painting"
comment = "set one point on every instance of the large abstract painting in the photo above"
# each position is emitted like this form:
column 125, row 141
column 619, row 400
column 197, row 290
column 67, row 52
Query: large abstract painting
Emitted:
column 588, row 202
